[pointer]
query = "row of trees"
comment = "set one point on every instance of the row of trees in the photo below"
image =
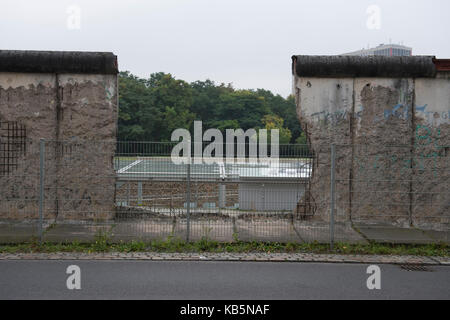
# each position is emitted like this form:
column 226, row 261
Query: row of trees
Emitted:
column 150, row 109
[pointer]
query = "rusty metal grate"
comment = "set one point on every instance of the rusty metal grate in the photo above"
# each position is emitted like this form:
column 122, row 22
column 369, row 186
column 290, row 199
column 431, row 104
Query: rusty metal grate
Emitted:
column 12, row 145
column 415, row 267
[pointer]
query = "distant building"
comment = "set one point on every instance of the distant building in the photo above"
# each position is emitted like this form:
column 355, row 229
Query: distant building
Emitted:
column 389, row 50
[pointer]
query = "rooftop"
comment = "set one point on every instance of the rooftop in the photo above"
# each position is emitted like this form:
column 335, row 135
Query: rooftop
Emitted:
column 163, row 169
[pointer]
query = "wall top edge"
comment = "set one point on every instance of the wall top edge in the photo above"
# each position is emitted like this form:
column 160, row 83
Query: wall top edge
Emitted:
column 369, row 66
column 75, row 62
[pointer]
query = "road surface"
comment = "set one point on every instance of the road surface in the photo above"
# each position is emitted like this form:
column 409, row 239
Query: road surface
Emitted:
column 43, row 279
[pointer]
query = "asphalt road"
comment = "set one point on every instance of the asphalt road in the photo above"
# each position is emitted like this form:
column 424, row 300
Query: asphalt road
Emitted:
column 28, row 279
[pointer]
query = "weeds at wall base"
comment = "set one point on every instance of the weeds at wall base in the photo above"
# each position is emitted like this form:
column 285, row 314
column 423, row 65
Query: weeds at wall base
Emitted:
column 174, row 245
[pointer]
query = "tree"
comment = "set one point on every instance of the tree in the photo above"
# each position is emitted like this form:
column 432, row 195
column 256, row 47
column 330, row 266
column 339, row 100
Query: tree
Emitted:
column 150, row 109
column 138, row 116
column 275, row 122
column 301, row 139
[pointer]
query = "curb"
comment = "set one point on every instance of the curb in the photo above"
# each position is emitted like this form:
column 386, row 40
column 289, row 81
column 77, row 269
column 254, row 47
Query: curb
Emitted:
column 236, row 257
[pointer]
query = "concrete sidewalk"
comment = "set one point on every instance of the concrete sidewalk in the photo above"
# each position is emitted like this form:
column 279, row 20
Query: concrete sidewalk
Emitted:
column 224, row 230
column 392, row 234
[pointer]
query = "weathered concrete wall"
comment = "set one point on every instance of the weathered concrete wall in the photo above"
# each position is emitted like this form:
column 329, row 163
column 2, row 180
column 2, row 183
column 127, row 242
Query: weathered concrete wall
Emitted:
column 326, row 104
column 431, row 157
column 391, row 128
column 68, row 110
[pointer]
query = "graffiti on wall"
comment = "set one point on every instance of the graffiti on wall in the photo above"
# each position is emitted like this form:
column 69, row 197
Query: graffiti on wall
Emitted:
column 429, row 141
column 399, row 111
column 432, row 116
column 424, row 156
column 327, row 117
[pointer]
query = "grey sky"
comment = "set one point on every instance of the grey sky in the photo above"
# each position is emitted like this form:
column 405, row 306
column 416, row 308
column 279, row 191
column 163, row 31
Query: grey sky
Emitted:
column 246, row 42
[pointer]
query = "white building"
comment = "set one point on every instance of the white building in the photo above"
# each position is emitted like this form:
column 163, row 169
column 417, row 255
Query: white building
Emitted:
column 390, row 50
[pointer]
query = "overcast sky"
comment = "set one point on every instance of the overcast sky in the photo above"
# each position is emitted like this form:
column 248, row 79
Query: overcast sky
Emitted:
column 245, row 42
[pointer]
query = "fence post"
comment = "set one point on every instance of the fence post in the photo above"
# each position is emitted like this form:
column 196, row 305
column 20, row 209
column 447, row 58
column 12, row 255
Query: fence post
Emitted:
column 333, row 194
column 41, row 187
column 222, row 196
column 188, row 200
column 140, row 193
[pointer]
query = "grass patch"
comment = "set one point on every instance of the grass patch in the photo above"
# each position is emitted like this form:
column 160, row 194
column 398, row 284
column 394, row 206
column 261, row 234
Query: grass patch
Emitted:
column 102, row 244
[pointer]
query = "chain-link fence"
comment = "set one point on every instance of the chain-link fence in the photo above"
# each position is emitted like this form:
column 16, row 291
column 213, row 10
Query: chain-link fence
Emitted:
column 394, row 193
column 63, row 191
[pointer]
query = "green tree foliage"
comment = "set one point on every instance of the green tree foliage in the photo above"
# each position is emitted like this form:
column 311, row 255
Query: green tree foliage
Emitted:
column 301, row 139
column 276, row 122
column 150, row 109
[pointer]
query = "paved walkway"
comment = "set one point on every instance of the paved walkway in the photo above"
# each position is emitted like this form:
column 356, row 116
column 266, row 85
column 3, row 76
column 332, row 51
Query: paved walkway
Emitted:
column 270, row 257
column 220, row 229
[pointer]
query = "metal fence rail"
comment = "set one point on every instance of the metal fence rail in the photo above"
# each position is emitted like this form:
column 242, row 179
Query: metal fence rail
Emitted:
column 63, row 191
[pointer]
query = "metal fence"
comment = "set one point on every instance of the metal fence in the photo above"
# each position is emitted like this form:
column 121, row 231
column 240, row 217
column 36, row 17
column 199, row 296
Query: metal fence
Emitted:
column 394, row 193
column 63, row 191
